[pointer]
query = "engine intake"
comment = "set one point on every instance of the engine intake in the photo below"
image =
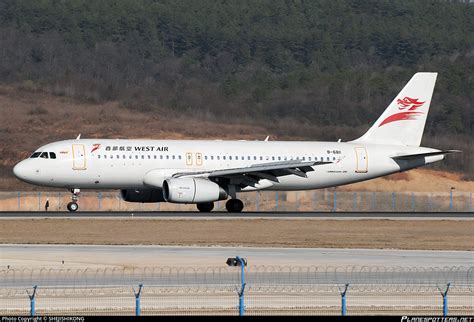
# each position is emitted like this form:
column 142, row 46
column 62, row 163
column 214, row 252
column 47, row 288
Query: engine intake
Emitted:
column 192, row 190
column 142, row 195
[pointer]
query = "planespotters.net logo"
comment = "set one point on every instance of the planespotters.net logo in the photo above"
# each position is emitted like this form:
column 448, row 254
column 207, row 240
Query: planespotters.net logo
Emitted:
column 409, row 107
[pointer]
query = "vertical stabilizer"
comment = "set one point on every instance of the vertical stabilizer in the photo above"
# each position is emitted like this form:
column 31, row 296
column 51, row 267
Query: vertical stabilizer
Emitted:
column 404, row 120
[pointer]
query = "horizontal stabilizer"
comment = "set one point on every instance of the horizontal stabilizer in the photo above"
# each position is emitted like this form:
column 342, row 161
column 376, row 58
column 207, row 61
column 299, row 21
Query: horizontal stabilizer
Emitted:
column 421, row 155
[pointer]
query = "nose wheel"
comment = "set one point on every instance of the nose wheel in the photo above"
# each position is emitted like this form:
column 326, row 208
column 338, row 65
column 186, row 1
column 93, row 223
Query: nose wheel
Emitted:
column 73, row 206
column 234, row 205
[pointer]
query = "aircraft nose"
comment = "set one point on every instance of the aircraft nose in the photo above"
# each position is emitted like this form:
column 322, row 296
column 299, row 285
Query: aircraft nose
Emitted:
column 21, row 170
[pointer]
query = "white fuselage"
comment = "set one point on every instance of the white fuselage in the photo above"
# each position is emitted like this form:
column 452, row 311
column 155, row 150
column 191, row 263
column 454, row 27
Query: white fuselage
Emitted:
column 123, row 164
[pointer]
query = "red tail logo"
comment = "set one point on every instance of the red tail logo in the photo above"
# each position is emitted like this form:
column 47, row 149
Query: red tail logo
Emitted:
column 407, row 104
column 95, row 147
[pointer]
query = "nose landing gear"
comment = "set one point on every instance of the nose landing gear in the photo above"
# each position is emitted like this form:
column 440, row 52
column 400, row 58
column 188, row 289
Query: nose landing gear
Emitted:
column 73, row 206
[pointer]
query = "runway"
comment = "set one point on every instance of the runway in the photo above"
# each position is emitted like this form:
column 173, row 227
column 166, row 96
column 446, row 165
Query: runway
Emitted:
column 246, row 215
column 101, row 256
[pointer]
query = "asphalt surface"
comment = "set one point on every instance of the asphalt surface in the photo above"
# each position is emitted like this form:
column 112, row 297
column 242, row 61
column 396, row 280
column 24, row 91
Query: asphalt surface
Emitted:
column 245, row 215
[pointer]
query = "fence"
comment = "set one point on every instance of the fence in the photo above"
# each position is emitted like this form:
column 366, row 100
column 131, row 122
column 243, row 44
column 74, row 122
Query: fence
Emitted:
column 317, row 200
column 256, row 290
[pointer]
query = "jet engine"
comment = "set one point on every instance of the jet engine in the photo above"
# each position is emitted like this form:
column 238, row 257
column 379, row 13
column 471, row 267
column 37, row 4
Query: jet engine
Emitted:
column 192, row 190
column 142, row 195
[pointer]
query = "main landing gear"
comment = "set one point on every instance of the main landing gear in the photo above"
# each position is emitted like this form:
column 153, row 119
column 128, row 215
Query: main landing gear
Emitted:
column 205, row 206
column 232, row 205
column 73, row 206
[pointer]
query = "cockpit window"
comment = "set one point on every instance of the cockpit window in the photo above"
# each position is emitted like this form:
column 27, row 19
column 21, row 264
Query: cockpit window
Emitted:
column 35, row 155
column 44, row 155
column 52, row 155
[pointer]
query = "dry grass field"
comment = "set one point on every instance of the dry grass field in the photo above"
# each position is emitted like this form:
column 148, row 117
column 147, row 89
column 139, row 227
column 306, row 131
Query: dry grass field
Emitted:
column 396, row 234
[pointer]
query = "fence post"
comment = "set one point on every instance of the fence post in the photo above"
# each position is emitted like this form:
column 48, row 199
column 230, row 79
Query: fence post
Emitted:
column 296, row 199
column 137, row 299
column 334, row 207
column 354, row 206
column 393, row 201
column 256, row 200
column 445, row 299
column 19, row 200
column 242, row 284
column 343, row 299
column 99, row 196
column 470, row 201
column 32, row 301
column 451, row 199
column 315, row 196
column 276, row 201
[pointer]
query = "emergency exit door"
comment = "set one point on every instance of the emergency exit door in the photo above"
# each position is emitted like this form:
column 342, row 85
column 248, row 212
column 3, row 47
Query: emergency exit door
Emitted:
column 78, row 157
column 362, row 161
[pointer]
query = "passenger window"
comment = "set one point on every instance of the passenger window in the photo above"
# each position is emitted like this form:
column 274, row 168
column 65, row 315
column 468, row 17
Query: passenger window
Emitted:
column 223, row 158
column 154, row 157
column 52, row 155
column 123, row 156
column 230, row 158
column 167, row 157
column 35, row 155
column 44, row 155
column 279, row 158
column 118, row 156
column 173, row 156
column 105, row 156
column 136, row 156
column 218, row 158
column 98, row 156
column 255, row 157
column 212, row 157
column 111, row 156
column 161, row 157
column 179, row 157
column 143, row 157
column 149, row 157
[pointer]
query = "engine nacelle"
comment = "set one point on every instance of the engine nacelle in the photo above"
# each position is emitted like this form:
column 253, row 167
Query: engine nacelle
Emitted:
column 192, row 190
column 142, row 195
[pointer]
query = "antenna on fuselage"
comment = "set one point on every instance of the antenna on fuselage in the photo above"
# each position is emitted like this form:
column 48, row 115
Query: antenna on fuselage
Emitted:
column 78, row 137
column 266, row 139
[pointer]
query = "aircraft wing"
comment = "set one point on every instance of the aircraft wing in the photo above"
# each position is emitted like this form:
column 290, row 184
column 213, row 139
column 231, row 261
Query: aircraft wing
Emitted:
column 249, row 176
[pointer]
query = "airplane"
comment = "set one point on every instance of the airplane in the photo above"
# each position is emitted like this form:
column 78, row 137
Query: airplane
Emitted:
column 203, row 172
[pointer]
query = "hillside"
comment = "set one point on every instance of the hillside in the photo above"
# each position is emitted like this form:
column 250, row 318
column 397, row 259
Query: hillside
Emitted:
column 32, row 118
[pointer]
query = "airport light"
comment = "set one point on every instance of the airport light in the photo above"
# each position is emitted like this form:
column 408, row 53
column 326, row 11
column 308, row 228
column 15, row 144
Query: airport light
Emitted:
column 242, row 262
